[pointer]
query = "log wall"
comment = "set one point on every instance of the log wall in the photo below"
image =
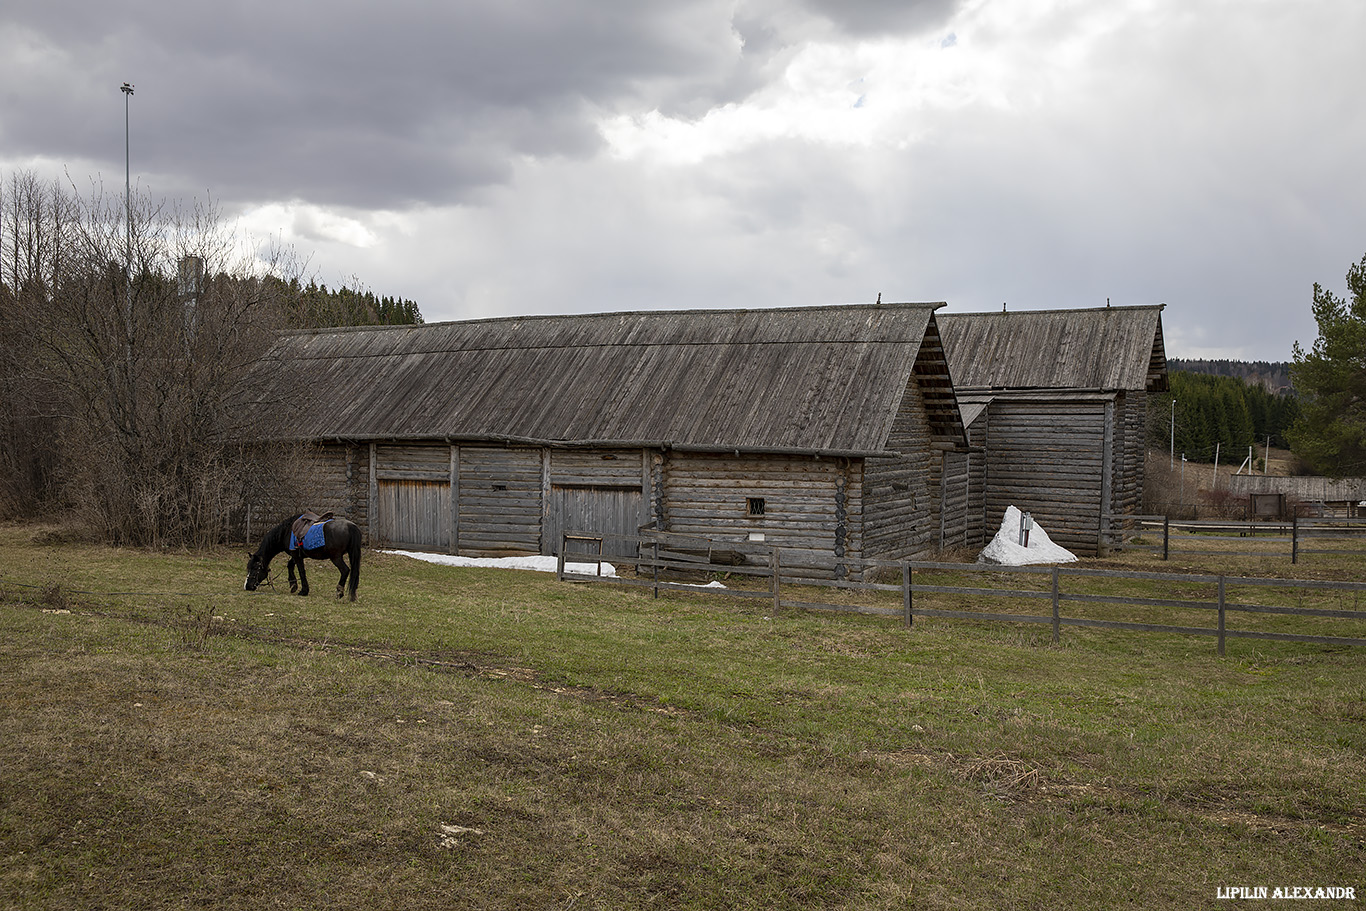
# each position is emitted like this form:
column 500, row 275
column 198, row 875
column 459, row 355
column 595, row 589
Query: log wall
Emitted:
column 901, row 495
column 482, row 500
column 809, row 504
column 1050, row 459
column 961, row 516
column 500, row 501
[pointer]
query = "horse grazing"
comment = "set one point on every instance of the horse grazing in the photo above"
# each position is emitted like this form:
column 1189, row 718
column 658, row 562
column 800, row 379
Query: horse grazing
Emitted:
column 329, row 539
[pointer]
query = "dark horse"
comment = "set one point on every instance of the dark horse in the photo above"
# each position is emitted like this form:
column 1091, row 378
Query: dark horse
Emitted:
column 341, row 537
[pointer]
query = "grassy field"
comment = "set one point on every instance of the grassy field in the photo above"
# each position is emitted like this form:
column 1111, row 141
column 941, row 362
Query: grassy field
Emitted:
column 465, row 738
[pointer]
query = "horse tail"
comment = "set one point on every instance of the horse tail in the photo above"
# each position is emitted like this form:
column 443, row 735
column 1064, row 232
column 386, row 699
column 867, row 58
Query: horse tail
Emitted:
column 353, row 549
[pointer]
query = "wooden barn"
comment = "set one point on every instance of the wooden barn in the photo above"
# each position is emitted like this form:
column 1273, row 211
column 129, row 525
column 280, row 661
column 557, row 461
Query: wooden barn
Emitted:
column 820, row 429
column 1055, row 406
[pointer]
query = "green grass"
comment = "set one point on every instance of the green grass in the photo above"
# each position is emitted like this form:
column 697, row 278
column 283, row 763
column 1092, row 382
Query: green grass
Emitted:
column 206, row 747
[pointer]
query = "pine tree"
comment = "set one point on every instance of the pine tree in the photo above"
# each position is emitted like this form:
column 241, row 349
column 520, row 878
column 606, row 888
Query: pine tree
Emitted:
column 1331, row 379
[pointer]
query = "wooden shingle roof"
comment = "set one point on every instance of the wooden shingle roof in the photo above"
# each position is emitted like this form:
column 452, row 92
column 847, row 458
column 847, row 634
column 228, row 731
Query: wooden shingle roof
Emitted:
column 817, row 379
column 1106, row 348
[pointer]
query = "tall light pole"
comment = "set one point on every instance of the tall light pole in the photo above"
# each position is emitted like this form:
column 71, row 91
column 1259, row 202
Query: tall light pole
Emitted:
column 127, row 89
column 130, row 390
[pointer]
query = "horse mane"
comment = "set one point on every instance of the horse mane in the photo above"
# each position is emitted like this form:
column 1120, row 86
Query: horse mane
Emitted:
column 275, row 540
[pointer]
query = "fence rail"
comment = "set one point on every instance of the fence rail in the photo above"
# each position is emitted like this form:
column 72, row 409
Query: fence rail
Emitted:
column 660, row 560
column 1292, row 537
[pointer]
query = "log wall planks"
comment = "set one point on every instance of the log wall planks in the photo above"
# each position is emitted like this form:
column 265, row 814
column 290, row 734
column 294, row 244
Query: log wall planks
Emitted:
column 1071, row 463
column 807, row 503
column 1048, row 459
column 485, row 500
column 900, row 495
column 500, row 501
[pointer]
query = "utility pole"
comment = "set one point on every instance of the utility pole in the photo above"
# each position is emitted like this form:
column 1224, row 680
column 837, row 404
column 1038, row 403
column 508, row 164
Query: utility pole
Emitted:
column 1172, row 462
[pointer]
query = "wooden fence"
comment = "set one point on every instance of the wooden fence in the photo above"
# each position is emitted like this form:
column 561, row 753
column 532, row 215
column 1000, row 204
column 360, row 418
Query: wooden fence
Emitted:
column 659, row 560
column 1294, row 538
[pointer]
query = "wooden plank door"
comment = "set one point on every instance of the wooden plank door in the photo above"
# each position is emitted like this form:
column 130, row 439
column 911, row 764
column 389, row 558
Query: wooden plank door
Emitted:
column 607, row 511
column 414, row 514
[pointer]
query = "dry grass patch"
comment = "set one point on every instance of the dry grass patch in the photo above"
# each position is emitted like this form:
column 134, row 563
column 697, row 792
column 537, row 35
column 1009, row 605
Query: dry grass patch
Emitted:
column 485, row 740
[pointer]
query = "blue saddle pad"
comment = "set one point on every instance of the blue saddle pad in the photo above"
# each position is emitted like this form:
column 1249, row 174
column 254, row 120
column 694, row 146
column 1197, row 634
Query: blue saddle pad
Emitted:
column 313, row 538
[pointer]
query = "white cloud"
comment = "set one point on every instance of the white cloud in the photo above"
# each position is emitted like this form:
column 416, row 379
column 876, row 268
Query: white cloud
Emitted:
column 299, row 222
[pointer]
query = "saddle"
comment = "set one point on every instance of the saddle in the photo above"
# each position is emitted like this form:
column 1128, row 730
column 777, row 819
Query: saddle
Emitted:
column 302, row 525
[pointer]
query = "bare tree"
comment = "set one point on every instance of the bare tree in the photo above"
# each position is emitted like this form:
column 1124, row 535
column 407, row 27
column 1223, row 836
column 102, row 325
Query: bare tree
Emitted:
column 35, row 221
column 142, row 338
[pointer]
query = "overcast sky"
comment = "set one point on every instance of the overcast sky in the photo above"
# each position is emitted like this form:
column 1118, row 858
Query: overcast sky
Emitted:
column 546, row 156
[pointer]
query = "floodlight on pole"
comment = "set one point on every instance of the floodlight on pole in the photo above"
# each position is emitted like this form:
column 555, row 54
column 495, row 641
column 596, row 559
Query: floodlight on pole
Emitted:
column 127, row 89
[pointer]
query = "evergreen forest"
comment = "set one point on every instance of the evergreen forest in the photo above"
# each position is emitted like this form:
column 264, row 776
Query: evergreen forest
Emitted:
column 1223, row 414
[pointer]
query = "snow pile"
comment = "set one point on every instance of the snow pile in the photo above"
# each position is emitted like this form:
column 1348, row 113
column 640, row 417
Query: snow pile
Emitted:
column 1005, row 547
column 536, row 564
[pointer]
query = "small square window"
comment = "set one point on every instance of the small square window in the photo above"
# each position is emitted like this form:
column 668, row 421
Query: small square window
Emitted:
column 754, row 506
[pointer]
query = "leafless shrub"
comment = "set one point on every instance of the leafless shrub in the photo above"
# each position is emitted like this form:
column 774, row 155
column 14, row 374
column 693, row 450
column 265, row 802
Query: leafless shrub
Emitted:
column 125, row 366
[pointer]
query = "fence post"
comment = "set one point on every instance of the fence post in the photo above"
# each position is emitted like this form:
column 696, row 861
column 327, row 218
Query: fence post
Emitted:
column 559, row 563
column 776, row 569
column 1295, row 537
column 906, row 595
column 656, row 566
column 1166, row 536
column 1057, row 624
column 1221, row 616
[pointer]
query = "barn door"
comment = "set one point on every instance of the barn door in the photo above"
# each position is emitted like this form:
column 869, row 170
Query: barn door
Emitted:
column 605, row 511
column 414, row 514
column 412, row 495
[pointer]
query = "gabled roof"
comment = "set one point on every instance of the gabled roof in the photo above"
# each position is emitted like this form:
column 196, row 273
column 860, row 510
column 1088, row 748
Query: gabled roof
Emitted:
column 1106, row 348
column 817, row 379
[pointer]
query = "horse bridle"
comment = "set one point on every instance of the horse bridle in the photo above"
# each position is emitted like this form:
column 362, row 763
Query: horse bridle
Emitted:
column 265, row 580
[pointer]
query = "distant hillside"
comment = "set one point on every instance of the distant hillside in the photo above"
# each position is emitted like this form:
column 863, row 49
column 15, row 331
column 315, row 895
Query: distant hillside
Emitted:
column 1273, row 376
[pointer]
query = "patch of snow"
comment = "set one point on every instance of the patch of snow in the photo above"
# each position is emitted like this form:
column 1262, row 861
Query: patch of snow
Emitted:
column 535, row 564
column 538, row 564
column 1005, row 548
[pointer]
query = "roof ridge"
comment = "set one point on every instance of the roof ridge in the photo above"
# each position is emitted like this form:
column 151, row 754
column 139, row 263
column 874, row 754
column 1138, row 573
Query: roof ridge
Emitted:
column 1126, row 308
column 606, row 314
